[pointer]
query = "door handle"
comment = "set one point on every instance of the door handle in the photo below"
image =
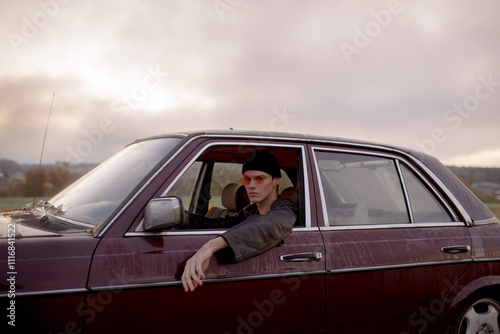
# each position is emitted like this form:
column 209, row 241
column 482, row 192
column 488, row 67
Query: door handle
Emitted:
column 456, row 249
column 311, row 256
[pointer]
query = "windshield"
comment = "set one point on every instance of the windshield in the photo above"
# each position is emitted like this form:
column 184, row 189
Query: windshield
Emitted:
column 96, row 195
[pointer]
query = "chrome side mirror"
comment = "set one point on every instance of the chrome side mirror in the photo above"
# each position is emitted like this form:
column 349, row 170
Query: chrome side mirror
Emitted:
column 164, row 212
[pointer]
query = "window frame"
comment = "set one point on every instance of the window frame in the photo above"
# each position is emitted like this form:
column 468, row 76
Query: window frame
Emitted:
column 304, row 195
column 398, row 160
column 419, row 177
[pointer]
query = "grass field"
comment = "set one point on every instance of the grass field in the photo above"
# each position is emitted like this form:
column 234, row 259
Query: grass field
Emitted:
column 495, row 207
column 11, row 203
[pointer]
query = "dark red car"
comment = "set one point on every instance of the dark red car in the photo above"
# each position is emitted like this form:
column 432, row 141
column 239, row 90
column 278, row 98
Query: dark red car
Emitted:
column 387, row 241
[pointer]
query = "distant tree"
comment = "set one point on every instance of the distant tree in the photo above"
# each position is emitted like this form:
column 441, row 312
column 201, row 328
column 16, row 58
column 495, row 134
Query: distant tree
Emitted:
column 46, row 183
column 60, row 178
column 477, row 174
column 35, row 180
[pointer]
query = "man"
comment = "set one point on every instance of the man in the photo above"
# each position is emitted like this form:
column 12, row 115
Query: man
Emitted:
column 255, row 229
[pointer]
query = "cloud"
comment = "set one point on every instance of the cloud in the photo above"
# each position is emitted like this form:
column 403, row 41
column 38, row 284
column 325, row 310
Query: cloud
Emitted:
column 236, row 68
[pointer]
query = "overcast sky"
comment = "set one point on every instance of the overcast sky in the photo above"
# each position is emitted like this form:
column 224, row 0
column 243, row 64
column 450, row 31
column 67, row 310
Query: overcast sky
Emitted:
column 419, row 74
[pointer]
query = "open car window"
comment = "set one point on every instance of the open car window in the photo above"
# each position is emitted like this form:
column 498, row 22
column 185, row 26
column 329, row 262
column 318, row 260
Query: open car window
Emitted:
column 230, row 173
column 211, row 186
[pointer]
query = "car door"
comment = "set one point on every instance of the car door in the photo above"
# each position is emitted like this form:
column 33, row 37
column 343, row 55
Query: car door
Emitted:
column 135, row 275
column 394, row 249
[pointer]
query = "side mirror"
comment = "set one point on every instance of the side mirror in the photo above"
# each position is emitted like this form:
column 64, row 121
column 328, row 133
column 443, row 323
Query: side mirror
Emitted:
column 163, row 213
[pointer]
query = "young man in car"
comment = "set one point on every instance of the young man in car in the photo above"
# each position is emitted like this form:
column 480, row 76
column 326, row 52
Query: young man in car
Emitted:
column 255, row 229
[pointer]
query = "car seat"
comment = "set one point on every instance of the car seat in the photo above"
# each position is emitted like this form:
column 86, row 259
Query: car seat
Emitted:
column 234, row 198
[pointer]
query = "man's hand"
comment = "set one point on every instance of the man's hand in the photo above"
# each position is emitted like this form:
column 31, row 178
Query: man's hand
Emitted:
column 194, row 271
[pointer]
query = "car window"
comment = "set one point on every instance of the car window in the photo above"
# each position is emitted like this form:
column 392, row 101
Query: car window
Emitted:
column 424, row 205
column 360, row 189
column 212, row 186
column 227, row 173
column 184, row 187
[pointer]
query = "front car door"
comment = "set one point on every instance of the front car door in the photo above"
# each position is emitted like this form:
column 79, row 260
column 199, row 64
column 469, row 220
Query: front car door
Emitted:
column 394, row 247
column 135, row 275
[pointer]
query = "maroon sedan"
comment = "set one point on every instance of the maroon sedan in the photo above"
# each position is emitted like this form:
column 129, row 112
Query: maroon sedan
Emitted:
column 387, row 241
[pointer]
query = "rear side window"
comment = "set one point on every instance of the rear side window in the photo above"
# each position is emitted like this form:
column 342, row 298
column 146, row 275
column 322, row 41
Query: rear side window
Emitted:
column 424, row 206
column 361, row 189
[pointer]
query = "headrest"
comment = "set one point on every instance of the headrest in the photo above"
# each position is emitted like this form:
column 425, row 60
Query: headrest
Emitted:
column 290, row 193
column 234, row 197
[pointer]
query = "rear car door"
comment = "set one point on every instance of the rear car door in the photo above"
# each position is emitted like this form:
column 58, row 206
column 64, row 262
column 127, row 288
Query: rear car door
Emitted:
column 135, row 275
column 394, row 248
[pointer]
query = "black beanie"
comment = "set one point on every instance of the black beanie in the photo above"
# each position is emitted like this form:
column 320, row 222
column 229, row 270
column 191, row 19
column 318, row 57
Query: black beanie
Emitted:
column 264, row 162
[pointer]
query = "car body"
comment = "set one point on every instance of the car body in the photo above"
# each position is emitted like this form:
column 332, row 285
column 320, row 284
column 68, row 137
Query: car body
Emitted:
column 387, row 241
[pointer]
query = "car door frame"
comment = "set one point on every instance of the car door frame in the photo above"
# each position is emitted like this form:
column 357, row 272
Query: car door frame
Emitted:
column 374, row 280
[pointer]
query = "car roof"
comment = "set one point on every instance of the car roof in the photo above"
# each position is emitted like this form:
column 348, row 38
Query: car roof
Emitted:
column 272, row 135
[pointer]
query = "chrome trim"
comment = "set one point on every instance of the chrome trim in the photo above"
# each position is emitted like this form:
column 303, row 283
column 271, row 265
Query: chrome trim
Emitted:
column 199, row 232
column 390, row 226
column 455, row 249
column 485, row 259
column 306, row 140
column 405, row 191
column 134, row 286
column 174, row 232
column 73, row 222
column 305, row 229
column 321, row 191
column 394, row 156
column 301, row 257
column 206, row 281
column 397, row 266
column 489, row 221
column 47, row 292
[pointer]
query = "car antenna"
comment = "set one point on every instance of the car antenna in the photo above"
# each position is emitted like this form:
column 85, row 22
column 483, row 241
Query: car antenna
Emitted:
column 41, row 153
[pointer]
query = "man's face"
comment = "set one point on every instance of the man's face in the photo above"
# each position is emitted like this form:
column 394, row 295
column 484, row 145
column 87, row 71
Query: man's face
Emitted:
column 259, row 192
